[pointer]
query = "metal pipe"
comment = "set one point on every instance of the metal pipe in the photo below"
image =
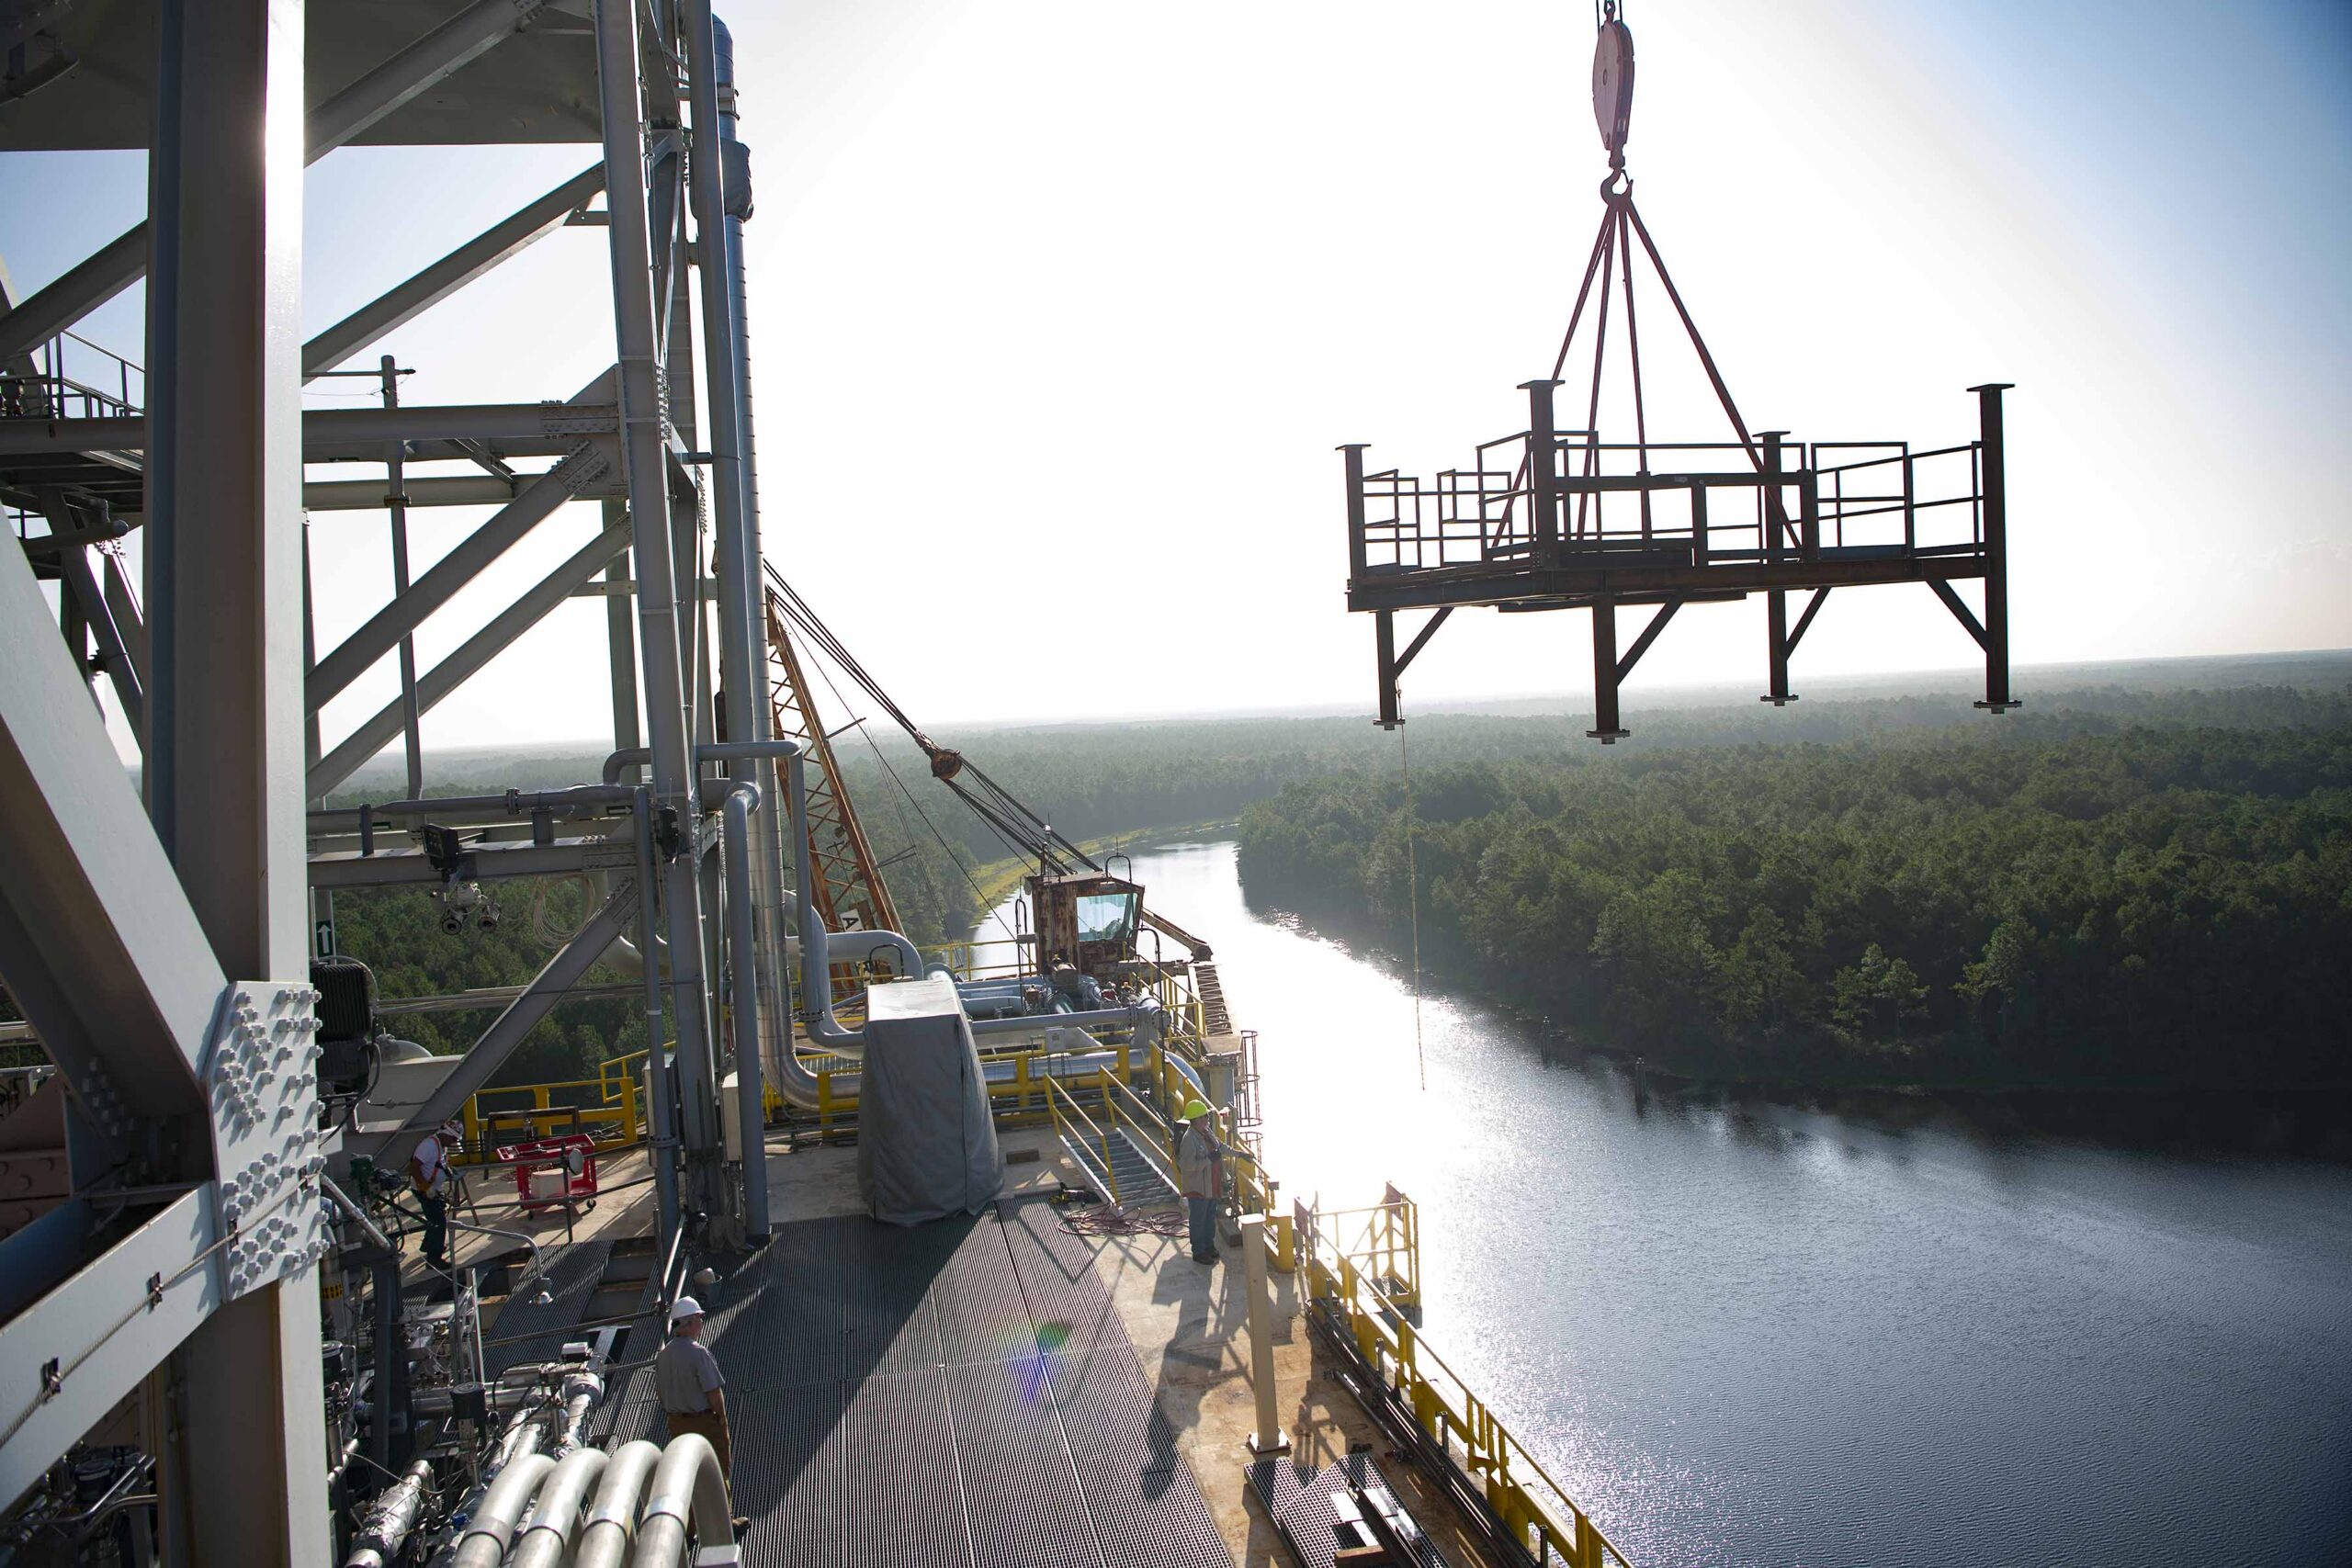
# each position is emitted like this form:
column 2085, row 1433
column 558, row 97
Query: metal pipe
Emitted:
column 391, row 1518
column 646, row 465
column 484, row 1543
column 742, row 946
column 546, row 1536
column 661, row 1137
column 353, row 1212
column 611, row 1521
column 686, row 1484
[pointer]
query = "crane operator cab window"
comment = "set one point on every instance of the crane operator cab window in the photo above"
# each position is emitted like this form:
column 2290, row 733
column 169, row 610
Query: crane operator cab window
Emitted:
column 1107, row 917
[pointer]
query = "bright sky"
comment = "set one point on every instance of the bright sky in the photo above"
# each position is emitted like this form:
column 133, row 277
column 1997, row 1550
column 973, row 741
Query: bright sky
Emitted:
column 1062, row 308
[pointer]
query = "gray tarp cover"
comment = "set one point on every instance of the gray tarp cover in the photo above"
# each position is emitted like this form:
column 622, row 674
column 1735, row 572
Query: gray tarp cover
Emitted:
column 925, row 1144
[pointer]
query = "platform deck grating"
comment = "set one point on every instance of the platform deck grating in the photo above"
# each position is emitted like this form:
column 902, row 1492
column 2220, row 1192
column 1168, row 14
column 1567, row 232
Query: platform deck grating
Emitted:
column 1306, row 1517
column 569, row 1281
column 958, row 1393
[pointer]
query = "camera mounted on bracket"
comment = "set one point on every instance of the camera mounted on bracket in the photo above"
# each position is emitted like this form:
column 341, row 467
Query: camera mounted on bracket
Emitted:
column 460, row 896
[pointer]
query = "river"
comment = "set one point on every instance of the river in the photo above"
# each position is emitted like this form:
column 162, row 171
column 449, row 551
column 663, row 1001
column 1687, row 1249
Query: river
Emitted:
column 1751, row 1333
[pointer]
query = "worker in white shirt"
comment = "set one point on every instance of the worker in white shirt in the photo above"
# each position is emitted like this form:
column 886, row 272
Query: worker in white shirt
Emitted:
column 693, row 1392
column 430, row 1175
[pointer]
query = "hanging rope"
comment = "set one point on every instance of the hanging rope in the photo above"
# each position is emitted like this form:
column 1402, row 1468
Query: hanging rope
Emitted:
column 1413, row 900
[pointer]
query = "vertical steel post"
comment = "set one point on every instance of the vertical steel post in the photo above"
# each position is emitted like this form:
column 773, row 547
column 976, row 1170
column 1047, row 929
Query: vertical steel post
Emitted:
column 1997, row 697
column 225, row 421
column 396, row 502
column 1543, row 471
column 645, row 462
column 1774, row 516
column 1268, row 1437
column 1358, row 550
column 620, row 645
column 1383, row 632
column 1606, row 728
column 742, row 647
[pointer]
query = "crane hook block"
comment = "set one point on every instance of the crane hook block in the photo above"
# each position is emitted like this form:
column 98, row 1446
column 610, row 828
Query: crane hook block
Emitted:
column 1613, row 86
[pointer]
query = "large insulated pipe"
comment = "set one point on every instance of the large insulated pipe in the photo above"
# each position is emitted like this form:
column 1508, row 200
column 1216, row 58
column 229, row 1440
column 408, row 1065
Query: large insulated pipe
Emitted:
column 687, row 1483
column 390, row 1518
column 743, row 961
column 492, row 1527
column 546, row 1536
column 816, row 963
column 611, row 1521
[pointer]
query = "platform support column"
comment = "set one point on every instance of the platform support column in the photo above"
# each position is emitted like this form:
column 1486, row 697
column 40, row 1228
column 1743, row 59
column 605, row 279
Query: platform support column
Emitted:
column 225, row 542
column 1994, row 480
column 1775, row 514
column 1268, row 1437
column 1543, row 470
column 1606, row 728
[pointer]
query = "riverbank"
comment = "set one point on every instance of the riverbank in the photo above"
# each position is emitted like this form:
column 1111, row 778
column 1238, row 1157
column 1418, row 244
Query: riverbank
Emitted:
column 2308, row 1121
column 997, row 881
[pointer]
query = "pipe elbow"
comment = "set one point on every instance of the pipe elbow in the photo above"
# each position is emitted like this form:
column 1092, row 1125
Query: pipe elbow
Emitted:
column 486, row 1539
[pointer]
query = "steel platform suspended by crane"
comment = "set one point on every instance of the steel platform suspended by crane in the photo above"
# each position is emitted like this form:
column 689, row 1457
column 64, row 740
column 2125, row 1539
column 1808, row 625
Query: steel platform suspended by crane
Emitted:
column 1549, row 518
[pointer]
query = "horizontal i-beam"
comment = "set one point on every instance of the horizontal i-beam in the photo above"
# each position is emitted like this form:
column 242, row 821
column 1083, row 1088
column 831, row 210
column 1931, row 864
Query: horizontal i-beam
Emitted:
column 461, row 666
column 435, row 283
column 339, row 427
column 430, row 60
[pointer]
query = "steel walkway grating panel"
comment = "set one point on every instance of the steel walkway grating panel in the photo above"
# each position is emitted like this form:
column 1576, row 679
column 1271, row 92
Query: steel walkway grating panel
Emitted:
column 891, row 1403
column 791, row 1476
column 903, row 1483
column 1148, row 1511
column 569, row 1281
column 1071, row 1309
column 1020, row 1487
column 1303, row 1510
column 982, row 1313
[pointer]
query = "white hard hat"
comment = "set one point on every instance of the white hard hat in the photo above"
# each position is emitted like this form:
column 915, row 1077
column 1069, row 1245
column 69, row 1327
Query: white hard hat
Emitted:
column 684, row 1307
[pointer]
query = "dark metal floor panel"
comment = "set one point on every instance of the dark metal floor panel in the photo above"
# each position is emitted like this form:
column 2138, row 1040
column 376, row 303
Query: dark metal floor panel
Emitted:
column 791, row 1477
column 1021, row 1489
column 904, row 1485
column 570, row 1281
column 896, row 1400
column 1147, row 1509
column 1303, row 1510
column 1068, row 1303
column 982, row 1313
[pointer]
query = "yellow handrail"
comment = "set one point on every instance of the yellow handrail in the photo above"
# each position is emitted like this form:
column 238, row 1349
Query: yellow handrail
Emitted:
column 1537, row 1509
column 1055, row 1093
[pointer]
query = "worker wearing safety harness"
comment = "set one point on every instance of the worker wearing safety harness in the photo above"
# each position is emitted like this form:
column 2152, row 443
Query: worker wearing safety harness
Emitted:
column 1199, row 1166
column 430, row 1178
column 692, row 1392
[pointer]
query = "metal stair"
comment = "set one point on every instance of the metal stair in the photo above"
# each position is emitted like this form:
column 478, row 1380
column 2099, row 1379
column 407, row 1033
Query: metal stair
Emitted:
column 1137, row 1174
column 1214, row 1019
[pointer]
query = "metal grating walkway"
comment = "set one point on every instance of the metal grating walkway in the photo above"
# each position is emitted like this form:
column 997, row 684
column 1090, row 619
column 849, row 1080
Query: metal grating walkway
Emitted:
column 958, row 1394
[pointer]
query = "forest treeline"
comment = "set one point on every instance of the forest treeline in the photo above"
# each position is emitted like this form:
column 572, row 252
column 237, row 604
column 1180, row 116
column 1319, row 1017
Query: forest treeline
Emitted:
column 1100, row 780
column 2063, row 898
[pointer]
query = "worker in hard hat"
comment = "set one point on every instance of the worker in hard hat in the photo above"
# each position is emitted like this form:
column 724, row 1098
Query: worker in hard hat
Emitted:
column 1200, row 1168
column 430, row 1177
column 691, row 1388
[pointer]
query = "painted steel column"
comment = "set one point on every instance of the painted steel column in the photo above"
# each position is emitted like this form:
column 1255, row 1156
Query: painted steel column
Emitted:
column 742, row 662
column 620, row 646
column 396, row 502
column 226, row 273
column 1606, row 728
column 772, row 824
column 1998, row 698
column 1543, row 470
column 1774, row 516
column 645, row 460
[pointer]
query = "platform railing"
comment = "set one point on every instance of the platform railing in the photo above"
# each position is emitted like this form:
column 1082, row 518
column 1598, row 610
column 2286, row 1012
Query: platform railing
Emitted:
column 1068, row 1115
column 543, row 1110
column 1532, row 1506
column 1700, row 501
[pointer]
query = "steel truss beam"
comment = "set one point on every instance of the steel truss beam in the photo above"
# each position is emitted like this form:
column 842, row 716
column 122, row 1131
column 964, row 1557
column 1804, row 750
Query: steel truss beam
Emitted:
column 428, row 61
column 469, row 659
column 410, row 299
column 454, row 571
column 325, row 433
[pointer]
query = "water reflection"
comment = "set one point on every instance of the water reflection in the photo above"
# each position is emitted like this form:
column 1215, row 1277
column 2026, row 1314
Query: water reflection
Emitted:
column 1866, row 1333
